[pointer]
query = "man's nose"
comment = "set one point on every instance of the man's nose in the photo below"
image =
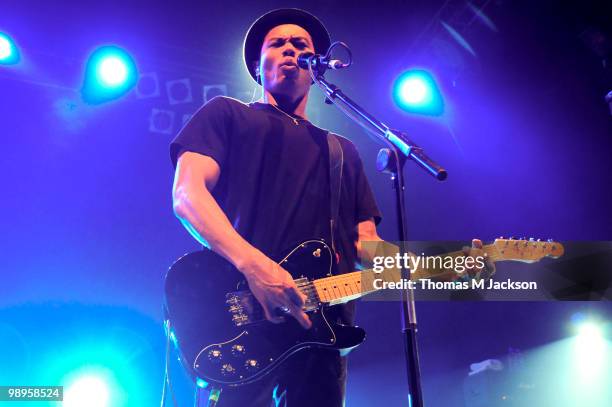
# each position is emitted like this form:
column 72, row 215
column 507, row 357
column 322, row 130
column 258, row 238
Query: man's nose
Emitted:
column 289, row 51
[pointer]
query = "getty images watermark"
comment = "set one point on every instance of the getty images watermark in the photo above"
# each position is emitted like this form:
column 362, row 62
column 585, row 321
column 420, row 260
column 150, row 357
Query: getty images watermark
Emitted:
column 462, row 272
column 503, row 269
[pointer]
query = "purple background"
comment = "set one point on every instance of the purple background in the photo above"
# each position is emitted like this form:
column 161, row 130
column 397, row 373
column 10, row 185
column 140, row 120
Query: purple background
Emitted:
column 526, row 139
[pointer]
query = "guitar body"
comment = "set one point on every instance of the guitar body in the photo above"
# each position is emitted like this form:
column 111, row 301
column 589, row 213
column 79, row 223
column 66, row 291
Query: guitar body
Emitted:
column 219, row 328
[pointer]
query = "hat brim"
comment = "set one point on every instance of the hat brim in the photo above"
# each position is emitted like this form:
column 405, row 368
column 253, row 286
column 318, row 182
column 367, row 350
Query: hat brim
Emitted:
column 260, row 28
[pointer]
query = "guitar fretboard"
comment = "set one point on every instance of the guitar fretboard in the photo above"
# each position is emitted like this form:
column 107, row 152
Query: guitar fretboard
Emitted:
column 345, row 287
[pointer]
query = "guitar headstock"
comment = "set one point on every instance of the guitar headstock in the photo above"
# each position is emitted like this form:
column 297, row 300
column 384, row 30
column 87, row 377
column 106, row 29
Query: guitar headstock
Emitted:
column 527, row 250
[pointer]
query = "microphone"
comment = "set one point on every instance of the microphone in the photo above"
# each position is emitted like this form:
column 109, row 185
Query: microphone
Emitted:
column 319, row 63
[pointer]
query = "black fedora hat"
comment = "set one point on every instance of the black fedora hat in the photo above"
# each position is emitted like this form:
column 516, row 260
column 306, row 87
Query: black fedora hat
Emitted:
column 256, row 34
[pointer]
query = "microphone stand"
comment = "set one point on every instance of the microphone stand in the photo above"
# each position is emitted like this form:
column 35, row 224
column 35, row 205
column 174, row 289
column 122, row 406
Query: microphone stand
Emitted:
column 390, row 160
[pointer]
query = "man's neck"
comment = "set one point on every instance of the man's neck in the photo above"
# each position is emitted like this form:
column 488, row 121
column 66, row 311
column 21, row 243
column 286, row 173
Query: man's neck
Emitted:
column 293, row 106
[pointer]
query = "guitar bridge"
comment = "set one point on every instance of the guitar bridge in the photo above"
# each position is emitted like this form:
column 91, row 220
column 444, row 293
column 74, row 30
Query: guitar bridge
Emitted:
column 240, row 307
column 244, row 308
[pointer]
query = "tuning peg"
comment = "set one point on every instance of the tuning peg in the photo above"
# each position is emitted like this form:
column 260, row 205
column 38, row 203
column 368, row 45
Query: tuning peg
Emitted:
column 549, row 240
column 512, row 238
column 531, row 239
column 501, row 237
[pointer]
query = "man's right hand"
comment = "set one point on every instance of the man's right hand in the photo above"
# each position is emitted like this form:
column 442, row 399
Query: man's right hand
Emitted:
column 274, row 288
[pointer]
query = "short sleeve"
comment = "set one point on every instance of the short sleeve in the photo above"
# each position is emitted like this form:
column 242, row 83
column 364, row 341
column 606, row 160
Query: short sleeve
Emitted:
column 206, row 133
column 365, row 203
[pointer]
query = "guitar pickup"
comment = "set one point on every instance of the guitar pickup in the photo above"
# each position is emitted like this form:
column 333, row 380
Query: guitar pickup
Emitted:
column 235, row 308
column 231, row 299
column 243, row 307
column 240, row 319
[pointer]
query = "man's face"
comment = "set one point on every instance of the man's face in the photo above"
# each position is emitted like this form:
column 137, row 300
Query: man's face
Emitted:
column 278, row 63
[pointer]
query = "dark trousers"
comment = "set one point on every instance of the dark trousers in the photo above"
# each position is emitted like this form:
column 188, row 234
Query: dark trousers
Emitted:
column 311, row 377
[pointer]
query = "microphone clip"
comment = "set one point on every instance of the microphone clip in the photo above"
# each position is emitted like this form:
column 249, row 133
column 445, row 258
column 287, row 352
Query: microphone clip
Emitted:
column 321, row 63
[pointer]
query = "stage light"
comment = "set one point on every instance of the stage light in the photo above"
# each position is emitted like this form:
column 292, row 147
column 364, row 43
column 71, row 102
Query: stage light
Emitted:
column 109, row 74
column 148, row 86
column 9, row 54
column 416, row 91
column 590, row 331
column 590, row 350
column 590, row 336
column 161, row 121
column 87, row 390
column 113, row 71
column 179, row 91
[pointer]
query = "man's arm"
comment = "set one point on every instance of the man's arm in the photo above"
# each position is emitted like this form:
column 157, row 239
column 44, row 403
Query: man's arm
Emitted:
column 366, row 232
column 196, row 175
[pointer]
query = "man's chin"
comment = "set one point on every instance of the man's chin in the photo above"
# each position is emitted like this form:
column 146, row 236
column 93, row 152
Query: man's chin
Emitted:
column 289, row 86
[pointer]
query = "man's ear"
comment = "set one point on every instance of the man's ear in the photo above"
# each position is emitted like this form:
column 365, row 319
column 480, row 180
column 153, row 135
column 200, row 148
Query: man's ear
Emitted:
column 257, row 72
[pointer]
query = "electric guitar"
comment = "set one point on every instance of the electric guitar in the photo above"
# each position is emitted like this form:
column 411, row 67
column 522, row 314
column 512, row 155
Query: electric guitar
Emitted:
column 220, row 330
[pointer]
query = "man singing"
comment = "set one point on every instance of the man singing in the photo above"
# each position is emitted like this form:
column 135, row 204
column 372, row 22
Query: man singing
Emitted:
column 253, row 178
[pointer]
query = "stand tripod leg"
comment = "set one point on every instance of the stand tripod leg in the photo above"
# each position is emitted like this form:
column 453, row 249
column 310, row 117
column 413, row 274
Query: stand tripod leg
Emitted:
column 213, row 397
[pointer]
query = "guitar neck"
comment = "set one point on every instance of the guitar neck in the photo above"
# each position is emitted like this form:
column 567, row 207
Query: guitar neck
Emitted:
column 346, row 287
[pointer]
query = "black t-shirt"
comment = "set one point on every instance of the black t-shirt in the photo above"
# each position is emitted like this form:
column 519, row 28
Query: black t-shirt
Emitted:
column 274, row 182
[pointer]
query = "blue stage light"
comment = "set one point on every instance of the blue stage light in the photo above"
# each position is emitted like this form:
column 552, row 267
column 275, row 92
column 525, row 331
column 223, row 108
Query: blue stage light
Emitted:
column 591, row 351
column 110, row 73
column 590, row 332
column 88, row 390
column 416, row 91
column 9, row 54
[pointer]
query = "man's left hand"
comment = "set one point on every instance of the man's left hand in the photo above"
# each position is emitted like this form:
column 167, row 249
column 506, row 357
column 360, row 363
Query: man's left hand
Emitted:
column 479, row 272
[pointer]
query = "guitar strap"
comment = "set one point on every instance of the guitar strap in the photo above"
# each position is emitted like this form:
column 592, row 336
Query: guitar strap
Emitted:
column 336, row 161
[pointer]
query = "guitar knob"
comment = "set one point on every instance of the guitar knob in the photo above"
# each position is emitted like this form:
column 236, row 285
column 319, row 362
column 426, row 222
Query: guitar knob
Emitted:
column 549, row 240
column 251, row 365
column 227, row 370
column 238, row 350
column 214, row 355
